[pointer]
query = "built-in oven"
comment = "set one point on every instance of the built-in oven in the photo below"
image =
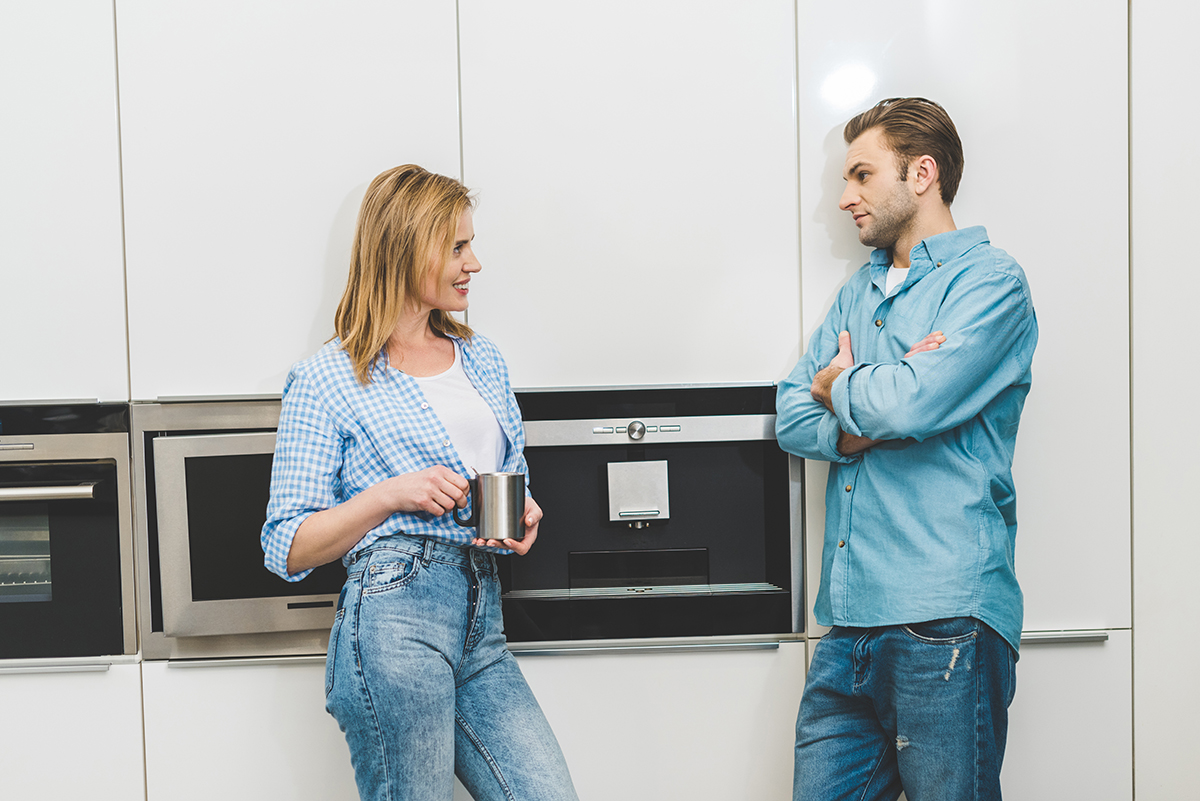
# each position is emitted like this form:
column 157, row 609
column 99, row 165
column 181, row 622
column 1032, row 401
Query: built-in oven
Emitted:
column 202, row 474
column 66, row 543
column 669, row 512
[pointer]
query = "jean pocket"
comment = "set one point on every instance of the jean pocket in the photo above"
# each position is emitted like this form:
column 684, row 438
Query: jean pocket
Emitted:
column 944, row 630
column 331, row 653
column 392, row 572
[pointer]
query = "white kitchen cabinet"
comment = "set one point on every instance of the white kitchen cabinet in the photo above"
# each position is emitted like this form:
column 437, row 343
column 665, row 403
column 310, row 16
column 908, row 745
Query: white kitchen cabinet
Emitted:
column 62, row 330
column 653, row 726
column 636, row 169
column 243, row 733
column 1000, row 68
column 1070, row 729
column 250, row 133
column 1166, row 441
column 72, row 734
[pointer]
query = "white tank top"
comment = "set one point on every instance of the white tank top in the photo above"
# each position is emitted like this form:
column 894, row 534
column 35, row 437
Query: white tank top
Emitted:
column 473, row 428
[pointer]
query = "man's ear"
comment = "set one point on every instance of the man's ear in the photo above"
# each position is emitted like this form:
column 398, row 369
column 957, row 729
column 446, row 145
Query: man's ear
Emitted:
column 925, row 174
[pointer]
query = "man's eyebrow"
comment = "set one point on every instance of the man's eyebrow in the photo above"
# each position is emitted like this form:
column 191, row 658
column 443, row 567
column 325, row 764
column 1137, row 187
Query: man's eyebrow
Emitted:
column 855, row 168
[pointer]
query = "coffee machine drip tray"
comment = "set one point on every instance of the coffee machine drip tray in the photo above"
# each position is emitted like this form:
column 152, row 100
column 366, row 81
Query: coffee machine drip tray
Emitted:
column 640, row 574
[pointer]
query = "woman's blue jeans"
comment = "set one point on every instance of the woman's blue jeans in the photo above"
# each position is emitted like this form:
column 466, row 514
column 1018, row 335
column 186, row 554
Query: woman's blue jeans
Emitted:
column 921, row 708
column 420, row 680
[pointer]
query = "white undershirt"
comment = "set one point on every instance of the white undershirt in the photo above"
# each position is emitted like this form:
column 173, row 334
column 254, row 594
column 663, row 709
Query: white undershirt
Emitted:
column 473, row 428
column 895, row 278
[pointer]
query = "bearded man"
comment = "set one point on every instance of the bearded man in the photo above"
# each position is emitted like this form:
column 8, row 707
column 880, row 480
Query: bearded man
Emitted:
column 912, row 389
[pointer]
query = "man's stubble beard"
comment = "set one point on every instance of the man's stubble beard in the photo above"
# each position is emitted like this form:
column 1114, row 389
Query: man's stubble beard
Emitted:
column 890, row 219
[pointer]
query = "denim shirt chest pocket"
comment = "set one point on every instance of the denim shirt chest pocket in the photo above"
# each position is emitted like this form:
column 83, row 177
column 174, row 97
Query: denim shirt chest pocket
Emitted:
column 392, row 571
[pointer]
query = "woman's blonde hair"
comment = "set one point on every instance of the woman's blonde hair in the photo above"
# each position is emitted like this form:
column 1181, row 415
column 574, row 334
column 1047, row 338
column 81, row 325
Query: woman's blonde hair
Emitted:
column 406, row 228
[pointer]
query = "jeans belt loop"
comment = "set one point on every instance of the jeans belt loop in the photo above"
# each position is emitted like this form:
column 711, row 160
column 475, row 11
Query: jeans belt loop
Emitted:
column 427, row 554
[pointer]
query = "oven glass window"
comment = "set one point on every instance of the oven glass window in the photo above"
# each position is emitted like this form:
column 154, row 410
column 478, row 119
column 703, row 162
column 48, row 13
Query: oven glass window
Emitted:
column 227, row 505
column 25, row 553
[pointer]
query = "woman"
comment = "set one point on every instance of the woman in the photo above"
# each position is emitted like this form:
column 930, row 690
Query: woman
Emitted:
column 377, row 433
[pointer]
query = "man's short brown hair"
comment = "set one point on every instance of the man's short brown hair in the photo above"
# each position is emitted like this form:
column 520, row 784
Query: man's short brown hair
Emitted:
column 913, row 127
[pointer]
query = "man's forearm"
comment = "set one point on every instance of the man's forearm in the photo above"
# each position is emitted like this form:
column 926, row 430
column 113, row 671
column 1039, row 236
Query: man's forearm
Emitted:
column 849, row 444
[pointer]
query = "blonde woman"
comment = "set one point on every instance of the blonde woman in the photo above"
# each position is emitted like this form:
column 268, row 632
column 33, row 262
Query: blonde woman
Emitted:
column 375, row 439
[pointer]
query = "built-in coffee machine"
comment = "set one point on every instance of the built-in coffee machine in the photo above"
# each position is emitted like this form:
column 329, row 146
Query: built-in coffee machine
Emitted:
column 670, row 512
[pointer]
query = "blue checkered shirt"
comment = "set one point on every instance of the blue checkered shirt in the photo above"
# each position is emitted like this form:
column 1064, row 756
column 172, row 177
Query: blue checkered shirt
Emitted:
column 336, row 438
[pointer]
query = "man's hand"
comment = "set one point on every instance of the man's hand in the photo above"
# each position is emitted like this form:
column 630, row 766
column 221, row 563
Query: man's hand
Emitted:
column 931, row 342
column 822, row 382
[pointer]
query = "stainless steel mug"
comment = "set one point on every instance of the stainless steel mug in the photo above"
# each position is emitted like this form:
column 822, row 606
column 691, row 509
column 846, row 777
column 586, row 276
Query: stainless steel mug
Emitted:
column 497, row 506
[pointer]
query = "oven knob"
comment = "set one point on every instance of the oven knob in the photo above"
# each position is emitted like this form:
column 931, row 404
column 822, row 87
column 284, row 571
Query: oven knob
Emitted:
column 636, row 430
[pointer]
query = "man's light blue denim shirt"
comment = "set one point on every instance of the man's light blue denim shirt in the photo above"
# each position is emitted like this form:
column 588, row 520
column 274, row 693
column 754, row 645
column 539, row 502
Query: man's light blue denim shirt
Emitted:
column 923, row 525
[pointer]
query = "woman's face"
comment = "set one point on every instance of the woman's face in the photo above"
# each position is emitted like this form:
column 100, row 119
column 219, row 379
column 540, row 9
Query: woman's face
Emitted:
column 446, row 287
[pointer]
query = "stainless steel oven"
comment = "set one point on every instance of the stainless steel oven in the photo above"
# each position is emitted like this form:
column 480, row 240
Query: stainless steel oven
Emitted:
column 202, row 478
column 670, row 512
column 66, row 543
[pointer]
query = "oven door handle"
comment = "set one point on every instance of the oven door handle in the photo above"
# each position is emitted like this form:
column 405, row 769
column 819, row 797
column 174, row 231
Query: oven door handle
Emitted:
column 75, row 492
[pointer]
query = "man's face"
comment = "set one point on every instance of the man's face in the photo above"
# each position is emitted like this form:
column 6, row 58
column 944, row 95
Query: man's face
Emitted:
column 882, row 205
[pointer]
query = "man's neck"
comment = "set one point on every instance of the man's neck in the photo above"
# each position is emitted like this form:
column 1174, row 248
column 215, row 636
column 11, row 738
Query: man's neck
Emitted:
column 931, row 223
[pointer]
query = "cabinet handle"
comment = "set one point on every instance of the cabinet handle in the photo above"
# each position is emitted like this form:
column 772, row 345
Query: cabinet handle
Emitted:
column 56, row 669
column 85, row 492
column 672, row 648
column 1046, row 637
column 251, row 662
column 87, row 664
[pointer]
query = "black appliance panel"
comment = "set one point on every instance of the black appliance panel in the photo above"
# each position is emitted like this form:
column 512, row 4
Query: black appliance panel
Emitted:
column 77, row 608
column 224, row 541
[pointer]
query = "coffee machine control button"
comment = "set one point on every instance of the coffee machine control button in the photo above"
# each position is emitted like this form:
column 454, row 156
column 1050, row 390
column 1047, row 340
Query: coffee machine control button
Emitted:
column 636, row 430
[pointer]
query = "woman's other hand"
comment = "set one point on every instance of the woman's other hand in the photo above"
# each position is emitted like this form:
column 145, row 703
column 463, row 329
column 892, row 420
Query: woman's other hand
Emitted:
column 533, row 516
column 435, row 490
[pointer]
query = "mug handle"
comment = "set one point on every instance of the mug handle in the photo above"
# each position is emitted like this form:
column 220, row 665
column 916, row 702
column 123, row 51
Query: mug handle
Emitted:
column 473, row 520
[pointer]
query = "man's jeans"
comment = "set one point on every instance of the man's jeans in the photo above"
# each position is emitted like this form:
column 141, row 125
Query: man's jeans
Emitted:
column 921, row 708
column 419, row 678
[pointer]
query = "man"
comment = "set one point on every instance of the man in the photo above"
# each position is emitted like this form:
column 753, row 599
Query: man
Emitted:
column 912, row 389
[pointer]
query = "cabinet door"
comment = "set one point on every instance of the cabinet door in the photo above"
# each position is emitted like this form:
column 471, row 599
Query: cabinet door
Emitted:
column 1166, row 471
column 636, row 168
column 243, row 733
column 1070, row 731
column 646, row 727
column 250, row 134
column 72, row 734
column 62, row 330
column 999, row 68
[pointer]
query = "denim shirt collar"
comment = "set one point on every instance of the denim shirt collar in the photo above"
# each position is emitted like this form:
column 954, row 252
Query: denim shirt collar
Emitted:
column 928, row 254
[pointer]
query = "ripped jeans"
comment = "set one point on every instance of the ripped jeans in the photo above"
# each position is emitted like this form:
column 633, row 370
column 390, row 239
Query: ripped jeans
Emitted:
column 921, row 708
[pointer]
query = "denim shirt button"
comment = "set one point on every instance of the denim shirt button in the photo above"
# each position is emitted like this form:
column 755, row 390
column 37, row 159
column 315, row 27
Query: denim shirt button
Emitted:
column 847, row 488
column 879, row 323
column 841, row 543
